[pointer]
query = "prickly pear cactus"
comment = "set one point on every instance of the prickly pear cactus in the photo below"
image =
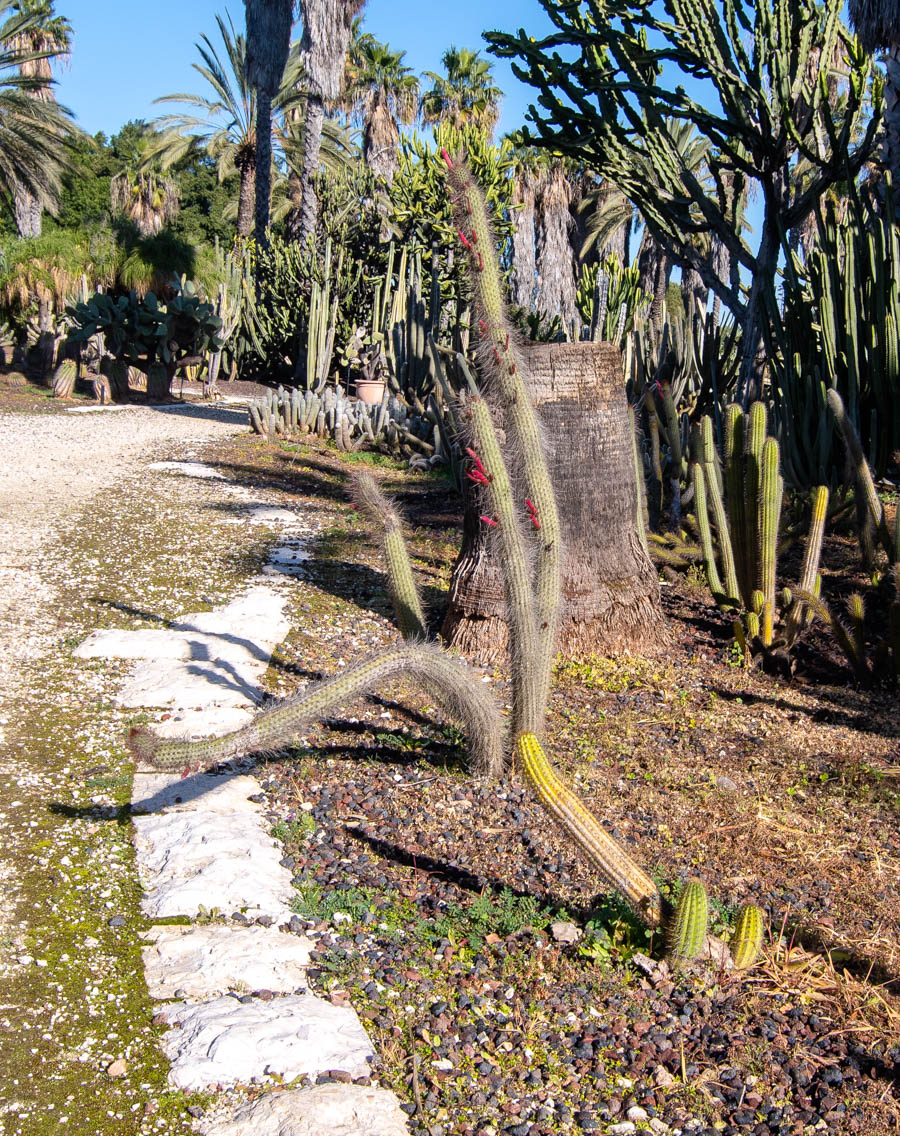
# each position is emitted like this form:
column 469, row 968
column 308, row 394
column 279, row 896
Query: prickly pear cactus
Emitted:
column 687, row 932
column 748, row 936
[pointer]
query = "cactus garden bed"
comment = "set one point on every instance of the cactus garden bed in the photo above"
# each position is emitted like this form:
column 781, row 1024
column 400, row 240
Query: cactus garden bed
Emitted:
column 504, row 995
column 436, row 895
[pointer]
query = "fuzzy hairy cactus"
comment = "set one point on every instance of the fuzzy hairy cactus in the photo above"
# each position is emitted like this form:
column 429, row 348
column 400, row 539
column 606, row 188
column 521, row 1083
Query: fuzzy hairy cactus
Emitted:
column 502, row 371
column 687, row 931
column 746, row 943
column 372, row 503
column 570, row 812
column 448, row 681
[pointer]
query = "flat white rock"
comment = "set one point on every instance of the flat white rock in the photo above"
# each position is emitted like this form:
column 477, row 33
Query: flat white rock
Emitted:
column 222, row 793
column 188, row 860
column 205, row 660
column 271, row 515
column 325, row 1110
column 189, row 469
column 229, row 1042
column 203, row 962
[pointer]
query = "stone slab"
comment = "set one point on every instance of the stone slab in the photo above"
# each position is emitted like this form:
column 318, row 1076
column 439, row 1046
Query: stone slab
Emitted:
column 188, row 469
column 205, row 660
column 325, row 1110
column 203, row 962
column 222, row 793
column 194, row 859
column 227, row 1042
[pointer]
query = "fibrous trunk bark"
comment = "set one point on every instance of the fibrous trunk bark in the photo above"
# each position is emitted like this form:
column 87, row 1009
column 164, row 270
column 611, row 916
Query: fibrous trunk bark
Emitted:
column 610, row 588
column 246, row 199
column 312, row 144
column 555, row 259
column 263, row 178
column 521, row 279
column 28, row 212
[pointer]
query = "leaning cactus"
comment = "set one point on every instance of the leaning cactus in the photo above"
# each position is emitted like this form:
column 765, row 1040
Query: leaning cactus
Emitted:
column 528, row 526
column 404, row 591
column 448, row 681
column 687, row 930
column 746, row 942
column 64, row 379
column 608, row 857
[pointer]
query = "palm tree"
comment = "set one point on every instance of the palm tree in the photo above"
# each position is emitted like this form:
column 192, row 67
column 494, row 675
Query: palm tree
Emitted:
column 141, row 192
column 327, row 27
column 379, row 92
column 227, row 133
column 877, row 23
column 466, row 94
column 525, row 181
column 269, row 24
column 37, row 36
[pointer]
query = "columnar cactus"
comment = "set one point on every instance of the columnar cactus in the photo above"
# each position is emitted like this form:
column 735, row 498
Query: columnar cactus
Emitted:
column 608, row 857
column 404, row 591
column 746, row 942
column 746, row 532
column 446, row 679
column 687, row 931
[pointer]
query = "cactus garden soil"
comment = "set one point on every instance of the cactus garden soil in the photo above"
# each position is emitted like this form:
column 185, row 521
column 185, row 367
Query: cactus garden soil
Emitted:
column 435, row 896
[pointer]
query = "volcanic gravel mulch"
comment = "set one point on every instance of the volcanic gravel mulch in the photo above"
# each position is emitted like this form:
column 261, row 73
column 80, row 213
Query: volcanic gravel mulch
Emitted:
column 433, row 893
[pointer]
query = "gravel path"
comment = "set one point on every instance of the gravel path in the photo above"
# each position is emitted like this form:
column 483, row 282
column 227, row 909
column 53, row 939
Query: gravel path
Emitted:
column 52, row 467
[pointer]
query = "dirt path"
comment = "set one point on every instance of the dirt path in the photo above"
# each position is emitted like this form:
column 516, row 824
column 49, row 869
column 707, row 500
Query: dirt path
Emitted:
column 59, row 477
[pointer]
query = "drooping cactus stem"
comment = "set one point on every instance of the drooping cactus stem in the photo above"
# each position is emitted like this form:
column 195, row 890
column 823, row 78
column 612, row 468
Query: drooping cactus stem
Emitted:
column 445, row 679
column 612, row 861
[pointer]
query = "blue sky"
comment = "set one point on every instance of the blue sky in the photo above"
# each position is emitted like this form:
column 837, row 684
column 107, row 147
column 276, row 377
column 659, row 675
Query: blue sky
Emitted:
column 126, row 55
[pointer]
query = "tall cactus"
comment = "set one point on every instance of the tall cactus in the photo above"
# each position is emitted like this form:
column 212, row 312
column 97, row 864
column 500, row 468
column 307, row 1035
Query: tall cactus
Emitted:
column 526, row 518
column 404, row 591
column 501, row 367
column 746, row 532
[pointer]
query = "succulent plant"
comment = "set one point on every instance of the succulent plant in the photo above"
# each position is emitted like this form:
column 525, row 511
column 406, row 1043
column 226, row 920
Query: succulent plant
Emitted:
column 687, row 929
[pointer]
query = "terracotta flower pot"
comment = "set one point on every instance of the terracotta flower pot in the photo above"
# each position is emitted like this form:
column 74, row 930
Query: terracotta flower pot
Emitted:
column 370, row 391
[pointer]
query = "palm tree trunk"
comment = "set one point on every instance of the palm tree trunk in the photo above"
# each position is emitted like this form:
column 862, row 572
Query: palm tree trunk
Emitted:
column 28, row 213
column 610, row 588
column 312, row 143
column 891, row 148
column 263, row 176
column 246, row 199
column 521, row 281
column 555, row 262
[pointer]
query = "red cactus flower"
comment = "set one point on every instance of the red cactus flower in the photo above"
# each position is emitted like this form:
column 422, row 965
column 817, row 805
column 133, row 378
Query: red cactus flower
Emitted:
column 448, row 160
column 488, row 521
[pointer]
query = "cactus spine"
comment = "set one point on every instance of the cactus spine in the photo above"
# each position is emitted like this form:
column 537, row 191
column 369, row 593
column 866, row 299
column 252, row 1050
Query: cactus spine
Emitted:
column 610, row 859
column 746, row 943
column 404, row 591
column 687, row 931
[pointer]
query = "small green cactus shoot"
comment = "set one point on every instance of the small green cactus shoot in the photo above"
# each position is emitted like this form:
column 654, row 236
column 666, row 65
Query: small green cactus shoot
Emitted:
column 748, row 936
column 687, row 933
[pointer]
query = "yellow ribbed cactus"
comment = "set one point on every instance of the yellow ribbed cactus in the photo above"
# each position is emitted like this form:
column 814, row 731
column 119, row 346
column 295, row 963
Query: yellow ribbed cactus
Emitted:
column 608, row 857
column 687, row 932
column 746, row 942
